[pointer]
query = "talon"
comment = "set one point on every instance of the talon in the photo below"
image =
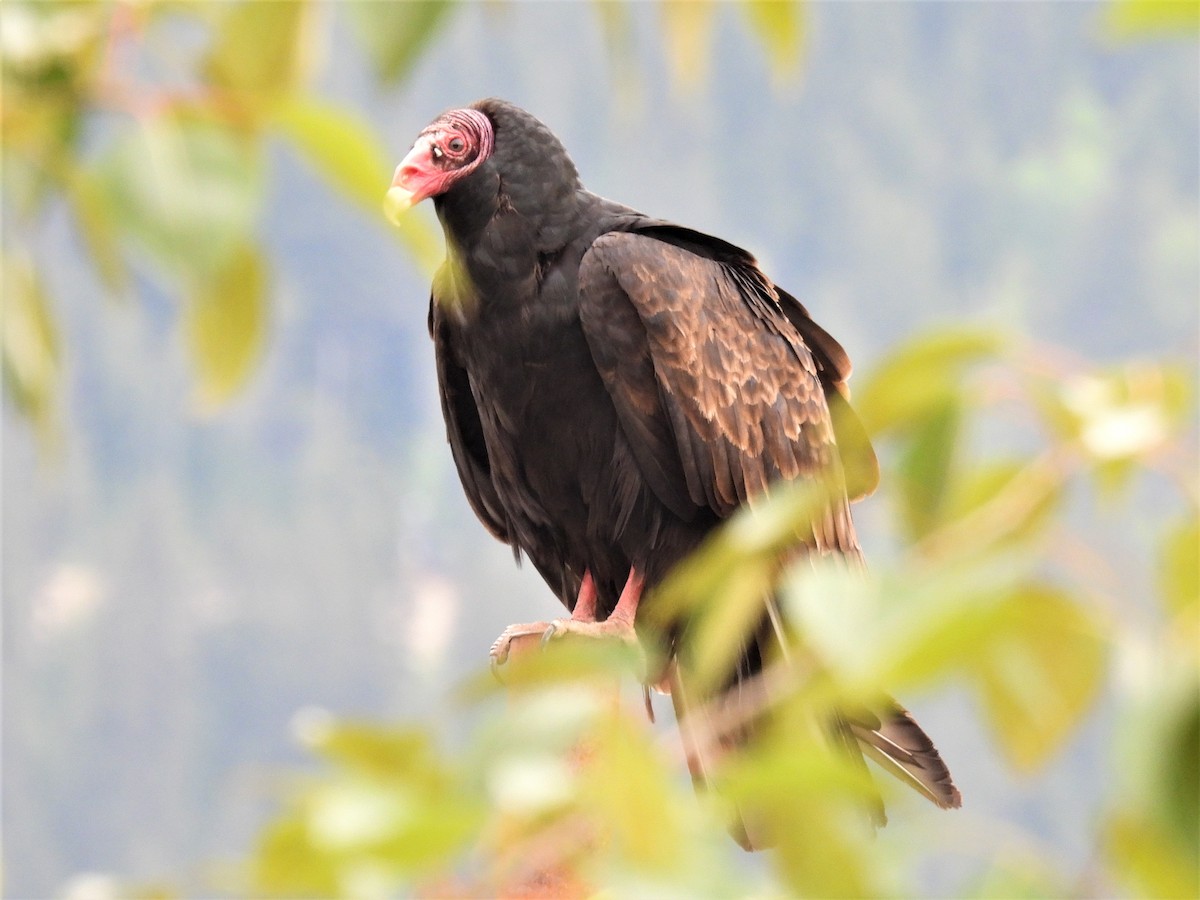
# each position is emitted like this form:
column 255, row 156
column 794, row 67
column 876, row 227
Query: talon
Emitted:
column 549, row 633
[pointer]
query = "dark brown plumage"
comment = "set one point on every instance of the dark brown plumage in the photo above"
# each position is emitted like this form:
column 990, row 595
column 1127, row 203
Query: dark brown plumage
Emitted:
column 615, row 386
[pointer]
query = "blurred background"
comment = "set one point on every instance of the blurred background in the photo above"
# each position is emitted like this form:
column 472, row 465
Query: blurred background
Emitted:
column 227, row 497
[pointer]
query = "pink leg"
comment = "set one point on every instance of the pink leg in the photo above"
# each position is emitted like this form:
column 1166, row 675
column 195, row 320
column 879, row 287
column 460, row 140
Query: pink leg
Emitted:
column 631, row 596
column 585, row 603
column 583, row 622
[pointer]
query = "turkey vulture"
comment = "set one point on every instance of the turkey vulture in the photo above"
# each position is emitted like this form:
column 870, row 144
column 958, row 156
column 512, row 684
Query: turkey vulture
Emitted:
column 615, row 386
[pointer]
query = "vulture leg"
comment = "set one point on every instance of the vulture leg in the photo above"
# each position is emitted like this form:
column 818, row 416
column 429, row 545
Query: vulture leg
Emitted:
column 583, row 622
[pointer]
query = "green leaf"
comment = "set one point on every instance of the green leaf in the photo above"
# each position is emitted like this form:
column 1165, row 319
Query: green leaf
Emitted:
column 339, row 144
column 687, row 27
column 719, row 591
column 286, row 861
column 1148, row 858
column 95, row 223
column 792, row 780
column 343, row 148
column 905, row 629
column 1014, row 499
column 935, row 630
column 1122, row 414
column 1179, row 568
column 375, row 750
column 1019, row 878
column 31, row 347
column 917, row 380
column 397, row 34
column 226, row 327
column 925, row 467
column 1131, row 19
column 186, row 192
column 779, row 24
column 261, row 48
column 626, row 783
column 1039, row 671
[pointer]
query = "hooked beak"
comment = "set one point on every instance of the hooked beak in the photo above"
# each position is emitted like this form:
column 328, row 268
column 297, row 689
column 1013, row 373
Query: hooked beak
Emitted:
column 415, row 179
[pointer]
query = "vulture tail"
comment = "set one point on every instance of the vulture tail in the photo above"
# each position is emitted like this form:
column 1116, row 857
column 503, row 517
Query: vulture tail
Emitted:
column 696, row 725
column 897, row 743
column 888, row 735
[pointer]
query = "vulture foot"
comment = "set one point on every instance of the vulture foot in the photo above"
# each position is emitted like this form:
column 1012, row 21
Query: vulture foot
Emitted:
column 618, row 626
column 615, row 628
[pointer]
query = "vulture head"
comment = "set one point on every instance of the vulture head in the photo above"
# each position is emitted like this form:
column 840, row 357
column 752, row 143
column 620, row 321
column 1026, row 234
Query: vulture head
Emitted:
column 489, row 155
column 447, row 150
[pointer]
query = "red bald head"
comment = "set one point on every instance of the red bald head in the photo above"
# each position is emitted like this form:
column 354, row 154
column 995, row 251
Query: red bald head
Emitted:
column 448, row 149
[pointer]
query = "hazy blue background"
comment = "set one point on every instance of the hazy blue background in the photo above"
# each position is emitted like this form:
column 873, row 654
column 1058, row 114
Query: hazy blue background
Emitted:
column 177, row 587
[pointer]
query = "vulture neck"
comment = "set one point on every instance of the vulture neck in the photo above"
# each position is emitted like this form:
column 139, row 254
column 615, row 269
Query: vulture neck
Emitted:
column 500, row 227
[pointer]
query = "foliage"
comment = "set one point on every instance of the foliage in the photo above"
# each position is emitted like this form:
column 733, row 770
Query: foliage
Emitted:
column 164, row 171
column 990, row 589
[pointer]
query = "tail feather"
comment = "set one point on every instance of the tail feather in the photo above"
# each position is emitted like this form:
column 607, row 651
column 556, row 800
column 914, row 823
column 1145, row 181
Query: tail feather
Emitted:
column 703, row 755
column 899, row 745
column 887, row 734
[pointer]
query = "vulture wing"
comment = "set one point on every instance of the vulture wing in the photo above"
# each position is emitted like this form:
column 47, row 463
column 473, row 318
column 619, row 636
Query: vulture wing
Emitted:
column 464, row 431
column 715, row 387
column 723, row 384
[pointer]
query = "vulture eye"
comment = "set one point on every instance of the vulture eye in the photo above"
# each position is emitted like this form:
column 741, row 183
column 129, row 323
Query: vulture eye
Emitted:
column 457, row 145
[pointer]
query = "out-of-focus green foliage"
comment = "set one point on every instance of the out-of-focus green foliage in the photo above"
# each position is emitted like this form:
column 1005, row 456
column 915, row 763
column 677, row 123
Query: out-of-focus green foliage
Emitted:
column 172, row 177
column 30, row 341
column 688, row 29
column 561, row 784
column 1127, row 19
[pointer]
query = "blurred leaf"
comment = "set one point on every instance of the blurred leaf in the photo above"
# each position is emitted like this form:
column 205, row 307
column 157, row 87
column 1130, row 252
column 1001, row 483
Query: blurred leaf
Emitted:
column 902, row 630
column 719, row 591
column 1019, row 879
column 779, row 24
column 1121, row 414
column 261, row 48
column 561, row 660
column 911, row 384
column 1038, row 672
column 391, row 809
column 1179, row 568
column 346, row 152
column 792, row 781
column 375, row 750
column 628, row 787
column 1148, row 859
column 1129, row 19
column 96, row 226
column 687, row 27
column 286, row 861
column 226, row 327
column 339, row 144
column 48, row 45
column 925, row 466
column 1179, row 787
column 616, row 25
column 187, row 192
column 31, row 351
column 397, row 34
column 996, row 506
column 423, row 240
column 1157, row 766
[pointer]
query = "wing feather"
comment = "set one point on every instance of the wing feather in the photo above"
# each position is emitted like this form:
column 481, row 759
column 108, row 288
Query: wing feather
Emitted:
column 464, row 431
column 705, row 365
